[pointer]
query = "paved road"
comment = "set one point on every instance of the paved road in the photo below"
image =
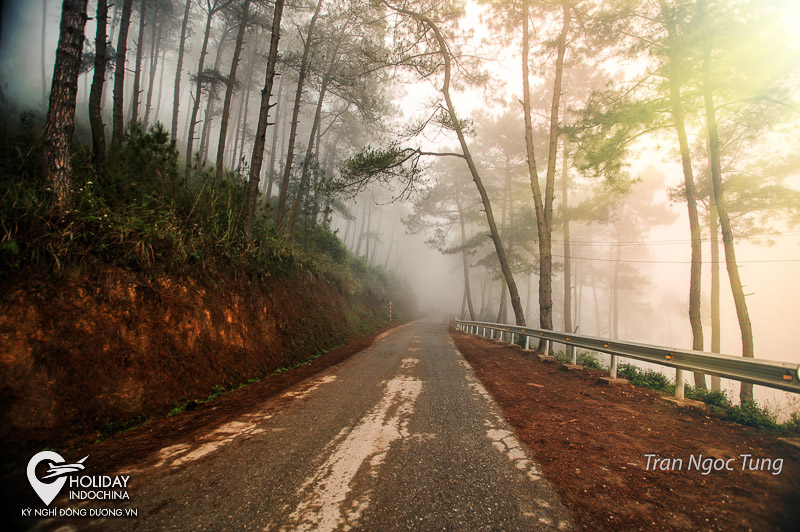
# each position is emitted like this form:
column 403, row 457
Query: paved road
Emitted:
column 399, row 436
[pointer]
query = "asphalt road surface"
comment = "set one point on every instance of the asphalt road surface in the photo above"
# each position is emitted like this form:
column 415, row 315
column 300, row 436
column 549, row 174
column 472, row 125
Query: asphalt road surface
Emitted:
column 400, row 436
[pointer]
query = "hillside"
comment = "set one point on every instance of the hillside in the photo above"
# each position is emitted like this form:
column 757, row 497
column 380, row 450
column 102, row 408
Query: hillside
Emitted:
column 149, row 296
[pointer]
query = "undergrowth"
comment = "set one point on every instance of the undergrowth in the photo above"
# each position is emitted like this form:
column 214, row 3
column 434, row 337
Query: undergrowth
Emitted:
column 747, row 413
column 586, row 359
column 145, row 213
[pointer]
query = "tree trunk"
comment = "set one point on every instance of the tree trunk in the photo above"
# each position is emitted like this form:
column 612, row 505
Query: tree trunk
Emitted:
column 689, row 187
column 198, row 90
column 307, row 159
column 108, row 102
column 60, row 122
column 746, row 393
column 138, row 69
column 155, row 46
column 287, row 171
column 543, row 206
column 567, row 251
column 98, row 81
column 118, row 119
column 176, row 99
column 369, row 228
column 273, row 152
column 263, row 116
column 716, row 329
column 455, row 121
column 226, row 106
column 160, row 84
column 243, row 104
column 502, row 310
column 315, row 127
column 208, row 116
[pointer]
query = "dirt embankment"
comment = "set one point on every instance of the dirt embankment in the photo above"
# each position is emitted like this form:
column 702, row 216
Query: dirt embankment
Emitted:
column 83, row 352
column 592, row 441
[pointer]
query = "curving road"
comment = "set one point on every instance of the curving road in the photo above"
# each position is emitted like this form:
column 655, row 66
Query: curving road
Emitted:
column 399, row 436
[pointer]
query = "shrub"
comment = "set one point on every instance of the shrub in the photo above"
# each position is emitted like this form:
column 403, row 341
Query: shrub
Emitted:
column 749, row 413
column 653, row 380
column 715, row 398
column 589, row 360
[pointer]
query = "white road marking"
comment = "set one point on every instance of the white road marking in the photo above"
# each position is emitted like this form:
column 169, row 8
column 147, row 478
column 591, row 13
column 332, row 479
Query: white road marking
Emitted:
column 324, row 494
column 299, row 392
column 507, row 443
column 182, row 453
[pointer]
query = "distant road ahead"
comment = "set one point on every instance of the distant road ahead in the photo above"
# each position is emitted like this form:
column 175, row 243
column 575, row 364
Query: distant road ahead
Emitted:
column 400, row 436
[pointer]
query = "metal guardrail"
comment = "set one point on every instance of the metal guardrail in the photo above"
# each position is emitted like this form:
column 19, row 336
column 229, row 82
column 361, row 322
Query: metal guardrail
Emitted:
column 780, row 375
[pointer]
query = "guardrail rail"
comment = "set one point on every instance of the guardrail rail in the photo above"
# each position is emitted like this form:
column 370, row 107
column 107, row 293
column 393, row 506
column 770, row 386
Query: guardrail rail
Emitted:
column 780, row 375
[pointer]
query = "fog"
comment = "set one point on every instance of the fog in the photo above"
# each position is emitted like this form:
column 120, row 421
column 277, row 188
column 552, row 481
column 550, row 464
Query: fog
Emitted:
column 629, row 228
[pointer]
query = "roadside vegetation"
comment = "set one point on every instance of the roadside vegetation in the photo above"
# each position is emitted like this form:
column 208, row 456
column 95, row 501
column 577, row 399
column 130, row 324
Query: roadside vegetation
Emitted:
column 150, row 215
column 748, row 413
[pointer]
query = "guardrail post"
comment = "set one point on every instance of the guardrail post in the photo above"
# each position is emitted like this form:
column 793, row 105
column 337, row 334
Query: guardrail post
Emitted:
column 678, row 384
column 613, row 368
column 527, row 342
column 547, row 347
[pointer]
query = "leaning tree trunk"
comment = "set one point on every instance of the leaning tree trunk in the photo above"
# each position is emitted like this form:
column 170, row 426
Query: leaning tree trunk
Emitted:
column 499, row 249
column 118, row 119
column 287, row 171
column 98, row 81
column 444, row 52
column 138, row 69
column 60, row 122
column 226, row 106
column 198, row 90
column 689, row 187
column 746, row 393
column 257, row 158
column 176, row 98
